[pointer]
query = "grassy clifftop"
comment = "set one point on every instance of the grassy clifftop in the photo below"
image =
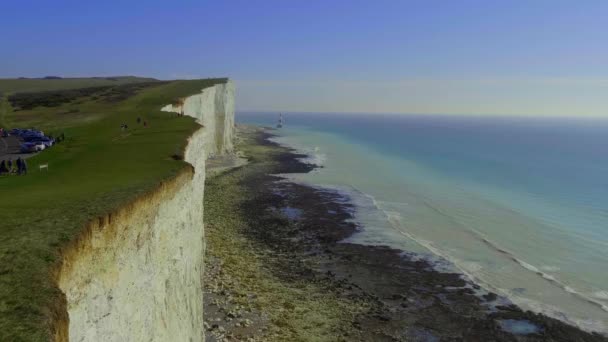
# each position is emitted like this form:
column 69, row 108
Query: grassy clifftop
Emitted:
column 95, row 170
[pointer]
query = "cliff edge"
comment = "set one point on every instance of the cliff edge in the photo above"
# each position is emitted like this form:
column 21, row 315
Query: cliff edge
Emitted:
column 136, row 275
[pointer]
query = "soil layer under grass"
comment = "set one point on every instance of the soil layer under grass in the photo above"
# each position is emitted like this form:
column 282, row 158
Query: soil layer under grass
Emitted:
column 277, row 271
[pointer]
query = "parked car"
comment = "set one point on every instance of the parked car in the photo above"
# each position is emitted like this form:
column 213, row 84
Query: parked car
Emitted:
column 30, row 138
column 48, row 142
column 28, row 147
column 28, row 134
column 40, row 146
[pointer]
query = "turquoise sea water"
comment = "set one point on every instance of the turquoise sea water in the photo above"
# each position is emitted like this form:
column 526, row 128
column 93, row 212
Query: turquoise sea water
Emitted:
column 518, row 205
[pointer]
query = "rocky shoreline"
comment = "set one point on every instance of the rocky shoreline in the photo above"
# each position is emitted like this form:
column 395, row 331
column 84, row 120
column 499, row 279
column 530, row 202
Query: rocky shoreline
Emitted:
column 360, row 293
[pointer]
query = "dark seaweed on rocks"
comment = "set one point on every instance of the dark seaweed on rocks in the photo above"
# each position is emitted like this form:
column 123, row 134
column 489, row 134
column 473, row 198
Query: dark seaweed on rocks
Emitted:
column 406, row 299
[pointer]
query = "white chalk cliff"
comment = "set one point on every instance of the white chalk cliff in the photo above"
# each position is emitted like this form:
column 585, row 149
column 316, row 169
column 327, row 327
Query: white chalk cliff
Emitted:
column 136, row 275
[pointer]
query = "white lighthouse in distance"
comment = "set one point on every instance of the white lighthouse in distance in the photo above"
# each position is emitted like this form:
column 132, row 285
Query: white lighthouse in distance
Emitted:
column 280, row 122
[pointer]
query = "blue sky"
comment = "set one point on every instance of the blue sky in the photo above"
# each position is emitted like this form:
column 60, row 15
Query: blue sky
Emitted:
column 474, row 57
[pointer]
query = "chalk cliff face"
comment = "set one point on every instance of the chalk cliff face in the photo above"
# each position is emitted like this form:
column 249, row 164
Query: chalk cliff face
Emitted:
column 137, row 275
column 213, row 108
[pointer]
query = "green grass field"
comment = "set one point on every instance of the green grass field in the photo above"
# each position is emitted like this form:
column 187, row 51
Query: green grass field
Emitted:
column 9, row 86
column 95, row 170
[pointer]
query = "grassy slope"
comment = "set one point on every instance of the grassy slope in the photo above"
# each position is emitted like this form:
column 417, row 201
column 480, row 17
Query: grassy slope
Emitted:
column 93, row 172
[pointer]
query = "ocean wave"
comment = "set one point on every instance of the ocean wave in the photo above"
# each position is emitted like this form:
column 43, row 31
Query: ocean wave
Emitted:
column 550, row 268
column 552, row 311
column 471, row 269
column 548, row 277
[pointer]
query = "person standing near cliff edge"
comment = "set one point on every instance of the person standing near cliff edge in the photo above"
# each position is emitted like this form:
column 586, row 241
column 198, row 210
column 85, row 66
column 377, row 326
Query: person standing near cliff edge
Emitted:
column 19, row 165
column 3, row 168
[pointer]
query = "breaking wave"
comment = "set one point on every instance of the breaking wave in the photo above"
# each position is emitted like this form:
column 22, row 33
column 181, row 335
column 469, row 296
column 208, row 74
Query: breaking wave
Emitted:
column 469, row 269
column 313, row 155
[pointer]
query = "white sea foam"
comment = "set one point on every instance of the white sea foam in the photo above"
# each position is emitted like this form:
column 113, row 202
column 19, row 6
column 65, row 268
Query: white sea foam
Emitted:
column 550, row 268
column 472, row 269
column 471, row 266
column 314, row 155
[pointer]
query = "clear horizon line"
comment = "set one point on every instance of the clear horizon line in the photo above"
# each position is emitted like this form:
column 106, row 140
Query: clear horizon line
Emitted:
column 494, row 115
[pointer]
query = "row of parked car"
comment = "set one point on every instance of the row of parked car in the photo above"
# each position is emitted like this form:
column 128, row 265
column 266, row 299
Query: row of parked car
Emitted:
column 33, row 140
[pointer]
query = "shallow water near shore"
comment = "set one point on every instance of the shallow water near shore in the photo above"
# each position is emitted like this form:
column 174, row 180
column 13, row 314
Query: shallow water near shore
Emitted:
column 519, row 206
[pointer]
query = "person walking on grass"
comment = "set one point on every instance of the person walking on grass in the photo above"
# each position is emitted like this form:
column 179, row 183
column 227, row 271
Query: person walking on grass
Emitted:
column 24, row 166
column 9, row 164
column 19, row 166
column 3, row 168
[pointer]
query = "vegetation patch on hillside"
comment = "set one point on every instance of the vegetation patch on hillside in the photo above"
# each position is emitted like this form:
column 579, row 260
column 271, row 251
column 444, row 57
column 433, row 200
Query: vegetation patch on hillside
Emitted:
column 55, row 98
